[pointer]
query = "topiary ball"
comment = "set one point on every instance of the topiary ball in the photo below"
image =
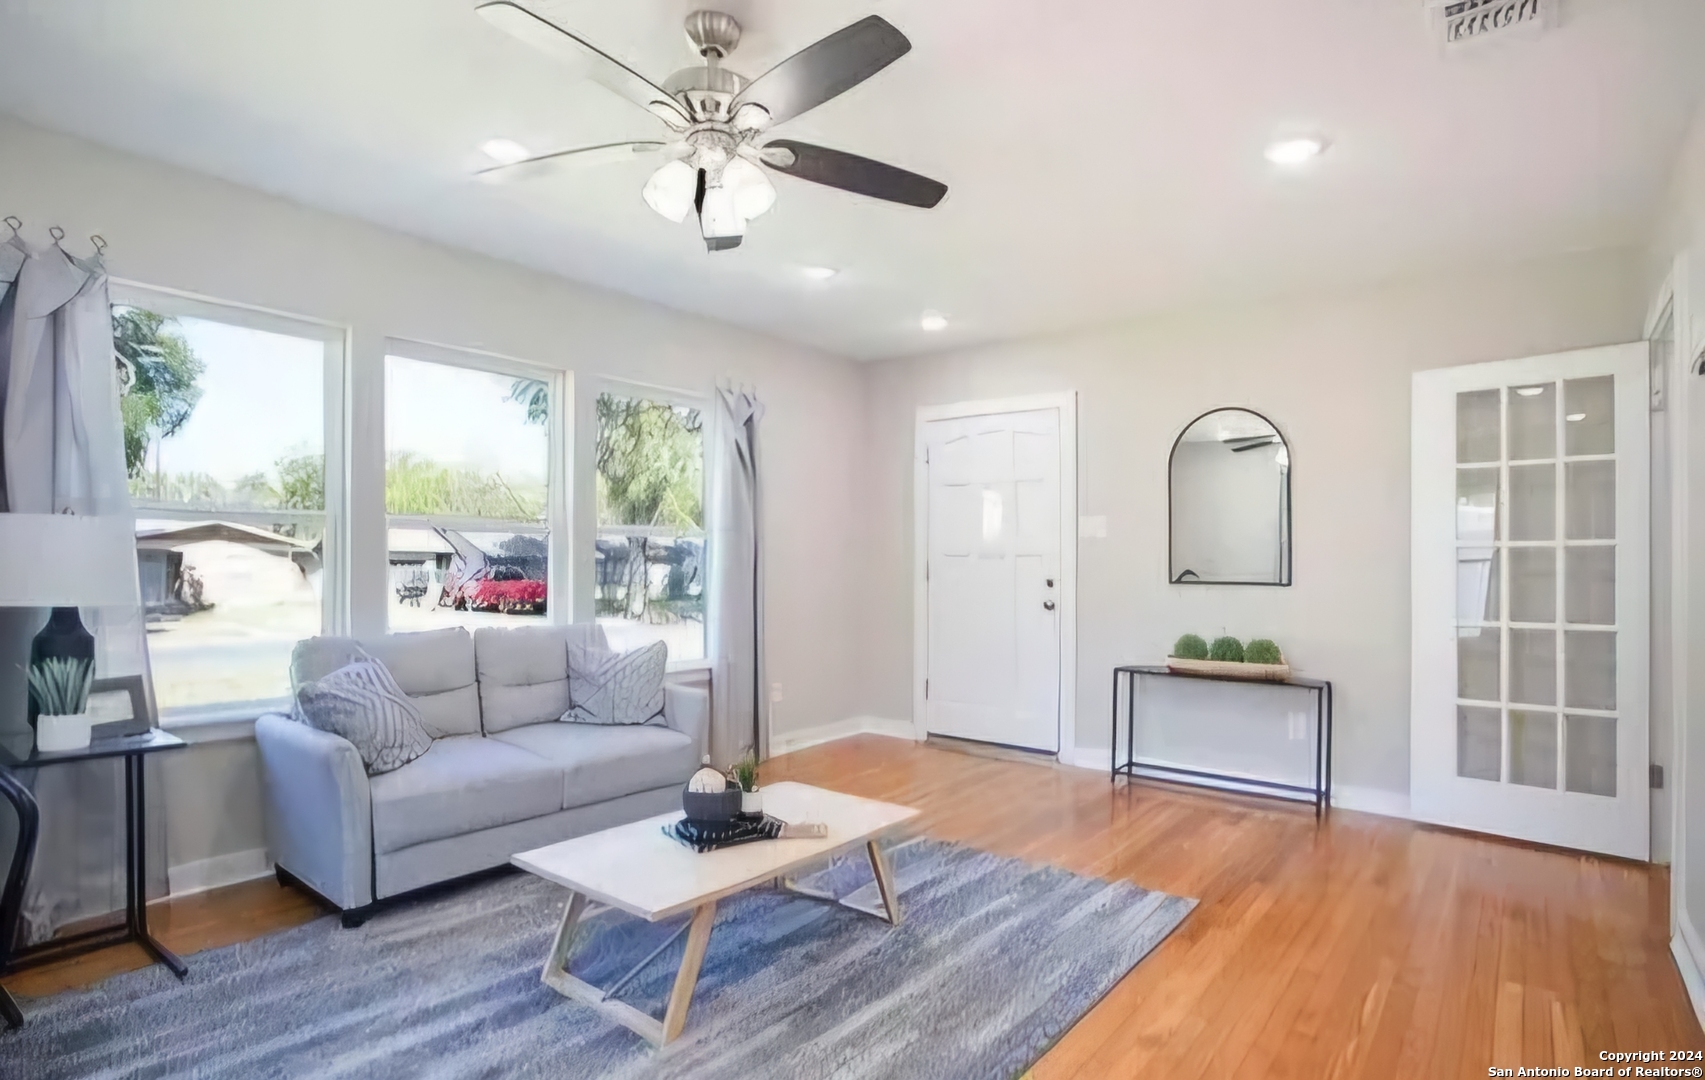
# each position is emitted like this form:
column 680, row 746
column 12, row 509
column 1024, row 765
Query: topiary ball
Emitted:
column 1190, row 647
column 1226, row 648
column 1262, row 651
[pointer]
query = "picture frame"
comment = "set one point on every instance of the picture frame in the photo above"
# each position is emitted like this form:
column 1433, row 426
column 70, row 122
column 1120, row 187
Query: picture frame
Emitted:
column 119, row 706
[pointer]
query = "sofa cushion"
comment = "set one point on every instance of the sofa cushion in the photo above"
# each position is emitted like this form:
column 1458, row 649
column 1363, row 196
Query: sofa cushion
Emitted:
column 605, row 762
column 316, row 657
column 523, row 671
column 463, row 784
column 435, row 668
column 362, row 703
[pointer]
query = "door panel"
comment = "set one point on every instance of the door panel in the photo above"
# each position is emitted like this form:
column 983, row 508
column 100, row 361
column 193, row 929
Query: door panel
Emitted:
column 993, row 575
column 1529, row 599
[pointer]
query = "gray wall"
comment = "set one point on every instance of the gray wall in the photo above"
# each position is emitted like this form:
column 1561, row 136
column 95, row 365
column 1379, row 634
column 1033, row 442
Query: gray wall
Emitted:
column 1333, row 374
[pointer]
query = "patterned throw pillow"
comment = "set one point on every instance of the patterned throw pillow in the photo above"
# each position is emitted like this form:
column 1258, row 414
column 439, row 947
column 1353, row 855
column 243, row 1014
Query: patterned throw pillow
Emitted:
column 607, row 687
column 362, row 703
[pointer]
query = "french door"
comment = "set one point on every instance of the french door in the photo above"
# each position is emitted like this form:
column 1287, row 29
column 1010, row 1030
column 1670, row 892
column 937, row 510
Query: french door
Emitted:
column 1529, row 562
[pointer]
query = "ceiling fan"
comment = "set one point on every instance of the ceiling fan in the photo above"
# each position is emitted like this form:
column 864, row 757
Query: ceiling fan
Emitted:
column 714, row 164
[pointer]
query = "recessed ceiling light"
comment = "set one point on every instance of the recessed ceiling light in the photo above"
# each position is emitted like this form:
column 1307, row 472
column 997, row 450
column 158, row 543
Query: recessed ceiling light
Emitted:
column 933, row 321
column 819, row 273
column 1575, row 417
column 1295, row 151
column 1530, row 391
column 507, row 151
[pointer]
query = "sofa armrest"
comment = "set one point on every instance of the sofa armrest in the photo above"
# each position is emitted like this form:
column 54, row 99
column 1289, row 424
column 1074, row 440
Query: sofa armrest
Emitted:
column 319, row 811
column 687, row 710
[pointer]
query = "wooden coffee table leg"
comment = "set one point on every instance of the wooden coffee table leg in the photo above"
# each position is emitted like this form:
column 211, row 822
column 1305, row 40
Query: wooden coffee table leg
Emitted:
column 681, row 997
column 557, row 977
column 556, row 962
column 884, row 881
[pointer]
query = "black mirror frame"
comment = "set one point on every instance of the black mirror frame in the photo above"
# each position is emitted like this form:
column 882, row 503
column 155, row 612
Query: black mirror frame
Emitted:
column 1287, row 540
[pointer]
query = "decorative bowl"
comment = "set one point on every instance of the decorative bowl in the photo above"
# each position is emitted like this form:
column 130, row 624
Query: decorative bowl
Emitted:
column 711, row 805
column 1228, row 669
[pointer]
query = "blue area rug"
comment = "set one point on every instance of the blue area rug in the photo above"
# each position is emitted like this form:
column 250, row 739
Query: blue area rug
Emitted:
column 993, row 961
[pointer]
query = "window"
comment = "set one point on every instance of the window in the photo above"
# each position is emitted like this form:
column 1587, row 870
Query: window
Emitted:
column 651, row 537
column 467, row 493
column 225, row 416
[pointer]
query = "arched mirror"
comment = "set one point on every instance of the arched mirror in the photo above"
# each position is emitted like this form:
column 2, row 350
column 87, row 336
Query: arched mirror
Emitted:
column 1230, row 483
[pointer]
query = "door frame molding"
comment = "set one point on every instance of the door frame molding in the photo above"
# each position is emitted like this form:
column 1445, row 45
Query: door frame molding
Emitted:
column 1066, row 402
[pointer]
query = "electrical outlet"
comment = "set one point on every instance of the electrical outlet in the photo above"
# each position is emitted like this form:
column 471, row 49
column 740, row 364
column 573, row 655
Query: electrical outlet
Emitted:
column 775, row 692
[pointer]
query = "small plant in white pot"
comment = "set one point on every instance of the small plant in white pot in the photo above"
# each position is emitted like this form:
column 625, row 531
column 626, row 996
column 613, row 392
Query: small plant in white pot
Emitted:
column 60, row 688
column 744, row 774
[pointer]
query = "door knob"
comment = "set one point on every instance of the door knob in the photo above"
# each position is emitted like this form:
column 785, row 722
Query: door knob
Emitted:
column 1047, row 605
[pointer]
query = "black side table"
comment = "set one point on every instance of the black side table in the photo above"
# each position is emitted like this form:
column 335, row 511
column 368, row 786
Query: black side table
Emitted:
column 19, row 753
column 1320, row 793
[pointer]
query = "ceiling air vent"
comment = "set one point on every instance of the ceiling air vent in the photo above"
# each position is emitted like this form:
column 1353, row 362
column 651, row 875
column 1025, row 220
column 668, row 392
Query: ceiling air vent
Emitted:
column 1463, row 22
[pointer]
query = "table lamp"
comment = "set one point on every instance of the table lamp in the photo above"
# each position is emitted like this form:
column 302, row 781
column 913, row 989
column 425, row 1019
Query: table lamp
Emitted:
column 62, row 562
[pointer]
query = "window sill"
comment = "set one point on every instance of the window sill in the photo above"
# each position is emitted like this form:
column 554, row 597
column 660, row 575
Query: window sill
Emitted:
column 674, row 666
column 218, row 723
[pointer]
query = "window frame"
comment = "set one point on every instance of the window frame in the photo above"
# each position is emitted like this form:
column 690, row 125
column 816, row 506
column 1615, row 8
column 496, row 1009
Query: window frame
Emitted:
column 672, row 396
column 559, row 465
column 336, row 339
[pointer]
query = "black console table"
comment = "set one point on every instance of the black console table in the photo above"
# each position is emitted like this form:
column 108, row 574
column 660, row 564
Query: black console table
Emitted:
column 1320, row 794
column 18, row 752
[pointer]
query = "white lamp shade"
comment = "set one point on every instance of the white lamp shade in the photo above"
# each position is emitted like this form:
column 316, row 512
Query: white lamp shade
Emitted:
column 671, row 189
column 67, row 560
column 753, row 192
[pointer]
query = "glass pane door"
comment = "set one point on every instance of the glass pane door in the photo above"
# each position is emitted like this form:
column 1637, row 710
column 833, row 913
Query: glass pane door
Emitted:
column 1536, row 555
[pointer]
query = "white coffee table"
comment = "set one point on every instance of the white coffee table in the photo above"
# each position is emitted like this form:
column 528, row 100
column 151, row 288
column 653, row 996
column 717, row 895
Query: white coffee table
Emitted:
column 639, row 870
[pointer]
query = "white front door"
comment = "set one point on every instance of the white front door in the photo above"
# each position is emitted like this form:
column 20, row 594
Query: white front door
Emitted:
column 1530, row 594
column 993, row 578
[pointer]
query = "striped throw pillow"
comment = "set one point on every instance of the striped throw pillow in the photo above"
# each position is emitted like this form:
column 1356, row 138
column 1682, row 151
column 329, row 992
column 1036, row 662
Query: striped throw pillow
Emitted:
column 362, row 703
column 606, row 687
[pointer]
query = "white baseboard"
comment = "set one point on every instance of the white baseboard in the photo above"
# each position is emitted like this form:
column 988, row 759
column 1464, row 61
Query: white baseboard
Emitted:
column 1371, row 800
column 229, row 869
column 1349, row 797
column 1089, row 757
column 787, row 742
column 1689, row 955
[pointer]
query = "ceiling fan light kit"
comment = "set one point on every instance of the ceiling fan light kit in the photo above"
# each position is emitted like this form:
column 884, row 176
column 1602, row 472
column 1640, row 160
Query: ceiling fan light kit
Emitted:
column 715, row 164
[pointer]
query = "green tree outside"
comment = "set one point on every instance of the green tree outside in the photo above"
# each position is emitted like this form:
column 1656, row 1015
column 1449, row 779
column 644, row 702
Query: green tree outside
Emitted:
column 163, row 390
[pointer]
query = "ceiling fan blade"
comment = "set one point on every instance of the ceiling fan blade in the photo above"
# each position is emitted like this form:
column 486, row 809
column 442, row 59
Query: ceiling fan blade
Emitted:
column 849, row 172
column 823, row 70
column 580, row 155
column 548, row 37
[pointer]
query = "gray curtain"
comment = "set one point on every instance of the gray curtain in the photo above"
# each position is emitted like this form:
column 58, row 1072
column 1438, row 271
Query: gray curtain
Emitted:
column 62, row 451
column 738, row 721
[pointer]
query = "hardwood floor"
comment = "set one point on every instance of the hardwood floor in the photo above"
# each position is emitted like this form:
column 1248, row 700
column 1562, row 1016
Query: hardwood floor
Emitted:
column 1363, row 947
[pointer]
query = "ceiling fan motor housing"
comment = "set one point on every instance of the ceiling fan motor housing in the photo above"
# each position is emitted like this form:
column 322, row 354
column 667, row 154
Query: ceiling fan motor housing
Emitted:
column 712, row 33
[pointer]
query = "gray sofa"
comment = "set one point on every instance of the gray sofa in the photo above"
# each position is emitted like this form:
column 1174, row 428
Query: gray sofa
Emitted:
column 503, row 774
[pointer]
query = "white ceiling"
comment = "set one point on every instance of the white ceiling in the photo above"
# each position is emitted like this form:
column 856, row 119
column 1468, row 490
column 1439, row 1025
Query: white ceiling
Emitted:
column 1103, row 159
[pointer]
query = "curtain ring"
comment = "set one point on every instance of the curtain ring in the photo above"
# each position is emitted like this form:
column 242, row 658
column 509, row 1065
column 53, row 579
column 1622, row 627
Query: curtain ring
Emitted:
column 14, row 223
column 57, row 233
column 100, row 243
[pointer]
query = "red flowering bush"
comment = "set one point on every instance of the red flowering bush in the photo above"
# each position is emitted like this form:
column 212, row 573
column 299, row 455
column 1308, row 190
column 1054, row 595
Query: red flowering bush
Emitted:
column 509, row 597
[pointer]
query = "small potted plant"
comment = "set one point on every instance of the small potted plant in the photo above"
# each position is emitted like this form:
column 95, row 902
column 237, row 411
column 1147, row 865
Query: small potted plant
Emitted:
column 60, row 688
column 744, row 775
